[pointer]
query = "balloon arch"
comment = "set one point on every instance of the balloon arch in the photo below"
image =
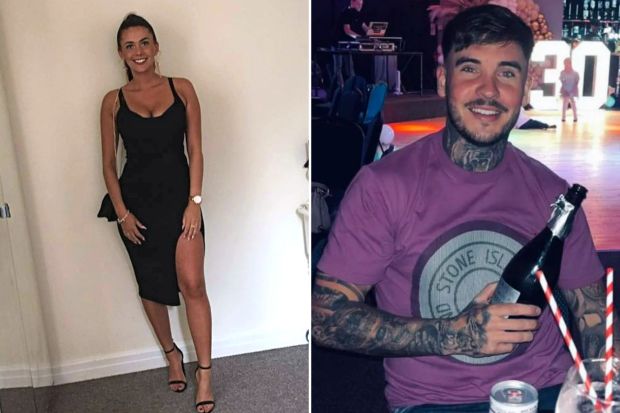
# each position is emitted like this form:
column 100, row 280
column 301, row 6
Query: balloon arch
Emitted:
column 528, row 10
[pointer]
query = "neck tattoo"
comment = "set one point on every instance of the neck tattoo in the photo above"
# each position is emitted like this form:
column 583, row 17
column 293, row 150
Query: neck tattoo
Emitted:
column 469, row 156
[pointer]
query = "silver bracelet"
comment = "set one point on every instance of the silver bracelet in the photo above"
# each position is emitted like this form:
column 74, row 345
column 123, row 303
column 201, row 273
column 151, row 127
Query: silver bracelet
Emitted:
column 121, row 220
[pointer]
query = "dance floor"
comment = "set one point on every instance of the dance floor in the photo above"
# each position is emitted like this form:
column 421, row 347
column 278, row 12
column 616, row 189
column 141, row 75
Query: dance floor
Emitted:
column 586, row 152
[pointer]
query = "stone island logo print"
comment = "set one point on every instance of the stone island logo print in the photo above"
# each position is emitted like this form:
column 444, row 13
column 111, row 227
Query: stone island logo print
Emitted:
column 454, row 269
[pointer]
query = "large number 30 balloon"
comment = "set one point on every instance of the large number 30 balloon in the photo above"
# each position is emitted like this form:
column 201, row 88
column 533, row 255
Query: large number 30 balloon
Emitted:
column 561, row 50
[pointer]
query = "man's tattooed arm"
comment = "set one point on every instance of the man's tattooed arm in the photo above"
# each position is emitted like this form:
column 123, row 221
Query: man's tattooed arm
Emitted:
column 588, row 307
column 341, row 320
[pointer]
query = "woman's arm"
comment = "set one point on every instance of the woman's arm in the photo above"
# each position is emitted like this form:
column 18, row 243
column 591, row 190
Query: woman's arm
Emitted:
column 194, row 151
column 129, row 223
column 108, row 150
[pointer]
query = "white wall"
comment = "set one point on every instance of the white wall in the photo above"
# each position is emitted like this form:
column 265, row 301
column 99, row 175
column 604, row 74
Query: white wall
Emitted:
column 249, row 64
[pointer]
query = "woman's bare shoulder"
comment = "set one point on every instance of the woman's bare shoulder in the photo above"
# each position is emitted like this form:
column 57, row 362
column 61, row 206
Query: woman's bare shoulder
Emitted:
column 185, row 89
column 183, row 85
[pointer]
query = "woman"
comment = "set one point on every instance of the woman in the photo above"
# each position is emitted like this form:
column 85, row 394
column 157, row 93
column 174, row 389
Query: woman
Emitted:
column 570, row 88
column 157, row 198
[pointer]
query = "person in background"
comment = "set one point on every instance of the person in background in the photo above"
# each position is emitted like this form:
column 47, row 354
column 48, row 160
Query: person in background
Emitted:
column 569, row 90
column 349, row 27
column 429, row 229
column 525, row 122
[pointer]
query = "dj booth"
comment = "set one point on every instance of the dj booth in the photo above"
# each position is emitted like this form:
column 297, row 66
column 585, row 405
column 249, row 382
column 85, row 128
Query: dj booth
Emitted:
column 379, row 47
column 375, row 57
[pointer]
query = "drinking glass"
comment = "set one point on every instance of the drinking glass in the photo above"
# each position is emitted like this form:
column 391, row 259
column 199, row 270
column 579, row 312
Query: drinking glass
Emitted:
column 573, row 396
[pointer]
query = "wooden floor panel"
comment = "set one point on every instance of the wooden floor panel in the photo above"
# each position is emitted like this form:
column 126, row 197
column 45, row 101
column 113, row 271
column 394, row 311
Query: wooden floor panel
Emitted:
column 586, row 152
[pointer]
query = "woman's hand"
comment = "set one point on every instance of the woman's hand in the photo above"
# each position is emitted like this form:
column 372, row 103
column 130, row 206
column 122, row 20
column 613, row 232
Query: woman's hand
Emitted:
column 131, row 229
column 191, row 221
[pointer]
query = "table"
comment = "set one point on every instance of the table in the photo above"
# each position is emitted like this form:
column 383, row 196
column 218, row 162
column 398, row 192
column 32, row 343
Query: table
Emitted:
column 355, row 52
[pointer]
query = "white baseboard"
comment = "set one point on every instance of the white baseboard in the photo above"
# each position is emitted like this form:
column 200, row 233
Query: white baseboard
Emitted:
column 147, row 358
column 11, row 377
column 258, row 341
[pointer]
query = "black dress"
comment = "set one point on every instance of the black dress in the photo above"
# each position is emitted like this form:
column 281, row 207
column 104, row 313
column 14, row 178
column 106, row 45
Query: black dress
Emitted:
column 155, row 188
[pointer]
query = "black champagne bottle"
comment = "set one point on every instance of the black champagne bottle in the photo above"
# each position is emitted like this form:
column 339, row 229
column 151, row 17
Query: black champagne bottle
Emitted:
column 518, row 283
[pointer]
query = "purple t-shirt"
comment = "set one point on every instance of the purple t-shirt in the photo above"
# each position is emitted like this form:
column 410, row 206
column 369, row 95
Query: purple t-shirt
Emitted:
column 429, row 236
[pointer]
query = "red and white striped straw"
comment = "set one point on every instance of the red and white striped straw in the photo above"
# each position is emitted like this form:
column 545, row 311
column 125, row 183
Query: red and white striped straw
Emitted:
column 568, row 339
column 609, row 334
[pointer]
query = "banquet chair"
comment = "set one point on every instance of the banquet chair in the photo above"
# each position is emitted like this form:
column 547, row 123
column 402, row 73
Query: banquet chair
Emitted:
column 336, row 152
column 373, row 121
column 336, row 147
column 349, row 102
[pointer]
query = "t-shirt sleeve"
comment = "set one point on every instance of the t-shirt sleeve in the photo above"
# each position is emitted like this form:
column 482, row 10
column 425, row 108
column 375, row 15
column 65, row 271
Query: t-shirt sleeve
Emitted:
column 580, row 263
column 360, row 244
column 347, row 18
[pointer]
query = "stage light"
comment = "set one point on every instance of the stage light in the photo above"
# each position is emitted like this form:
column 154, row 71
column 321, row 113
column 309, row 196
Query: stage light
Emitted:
column 558, row 51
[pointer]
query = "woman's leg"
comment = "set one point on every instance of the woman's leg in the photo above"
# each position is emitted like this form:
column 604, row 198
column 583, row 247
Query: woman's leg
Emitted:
column 190, row 273
column 573, row 105
column 158, row 316
column 564, row 107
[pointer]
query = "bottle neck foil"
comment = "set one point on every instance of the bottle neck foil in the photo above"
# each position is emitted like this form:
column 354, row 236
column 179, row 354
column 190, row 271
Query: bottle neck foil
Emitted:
column 561, row 218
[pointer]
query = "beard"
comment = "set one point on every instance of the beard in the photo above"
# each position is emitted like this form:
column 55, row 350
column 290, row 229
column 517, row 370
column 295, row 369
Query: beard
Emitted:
column 479, row 139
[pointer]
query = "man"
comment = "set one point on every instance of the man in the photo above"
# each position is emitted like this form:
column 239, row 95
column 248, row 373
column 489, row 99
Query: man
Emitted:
column 431, row 228
column 349, row 27
column 525, row 122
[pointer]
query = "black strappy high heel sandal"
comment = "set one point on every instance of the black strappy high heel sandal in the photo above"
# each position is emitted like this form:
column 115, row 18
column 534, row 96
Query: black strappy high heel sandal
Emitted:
column 204, row 402
column 183, row 382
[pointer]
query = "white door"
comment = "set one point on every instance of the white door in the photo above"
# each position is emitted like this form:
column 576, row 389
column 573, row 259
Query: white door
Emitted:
column 15, row 371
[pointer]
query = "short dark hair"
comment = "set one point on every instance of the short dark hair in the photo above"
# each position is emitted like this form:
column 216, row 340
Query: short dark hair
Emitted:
column 133, row 20
column 488, row 24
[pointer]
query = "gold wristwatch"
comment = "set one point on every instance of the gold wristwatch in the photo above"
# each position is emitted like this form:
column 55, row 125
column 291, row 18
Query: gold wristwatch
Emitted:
column 196, row 199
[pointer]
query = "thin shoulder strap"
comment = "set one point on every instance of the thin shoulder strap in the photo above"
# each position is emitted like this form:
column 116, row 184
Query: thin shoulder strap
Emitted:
column 120, row 97
column 174, row 92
